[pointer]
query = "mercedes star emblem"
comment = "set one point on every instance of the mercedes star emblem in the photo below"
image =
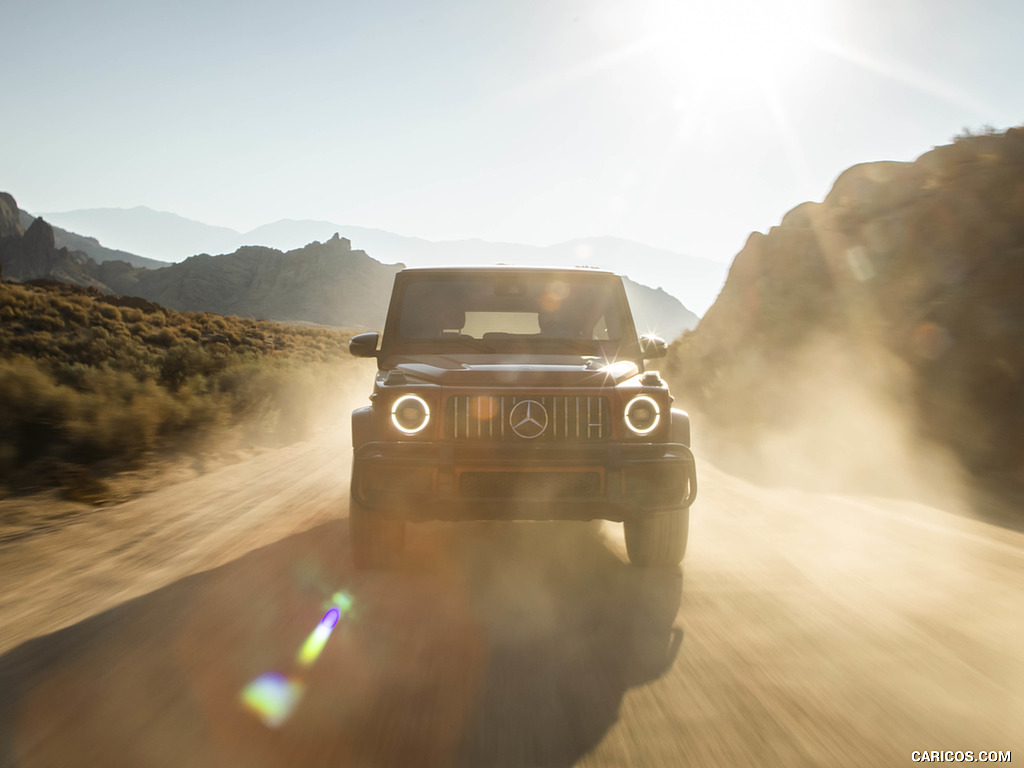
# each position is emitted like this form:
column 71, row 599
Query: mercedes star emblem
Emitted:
column 528, row 419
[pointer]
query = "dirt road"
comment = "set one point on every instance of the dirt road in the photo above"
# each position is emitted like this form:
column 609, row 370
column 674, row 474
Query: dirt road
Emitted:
column 808, row 629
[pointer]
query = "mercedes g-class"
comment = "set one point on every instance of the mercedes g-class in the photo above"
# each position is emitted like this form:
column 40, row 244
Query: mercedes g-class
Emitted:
column 517, row 393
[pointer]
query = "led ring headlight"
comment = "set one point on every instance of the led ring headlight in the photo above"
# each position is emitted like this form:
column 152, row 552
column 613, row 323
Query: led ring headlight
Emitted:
column 642, row 423
column 410, row 414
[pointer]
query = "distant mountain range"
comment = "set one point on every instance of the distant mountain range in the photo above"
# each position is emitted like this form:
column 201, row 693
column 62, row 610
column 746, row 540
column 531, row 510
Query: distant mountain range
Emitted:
column 90, row 246
column 328, row 282
column 167, row 236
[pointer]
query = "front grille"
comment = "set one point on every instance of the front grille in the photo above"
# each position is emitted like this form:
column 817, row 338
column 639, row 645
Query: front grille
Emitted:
column 529, row 485
column 518, row 418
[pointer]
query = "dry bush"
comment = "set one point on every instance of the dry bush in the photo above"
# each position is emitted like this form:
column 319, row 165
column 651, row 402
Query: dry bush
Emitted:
column 84, row 381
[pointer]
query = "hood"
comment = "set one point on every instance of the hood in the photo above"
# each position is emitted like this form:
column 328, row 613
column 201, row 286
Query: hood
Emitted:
column 546, row 371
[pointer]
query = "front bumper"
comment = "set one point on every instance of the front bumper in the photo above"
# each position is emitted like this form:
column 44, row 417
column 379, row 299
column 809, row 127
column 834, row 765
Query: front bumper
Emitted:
column 448, row 481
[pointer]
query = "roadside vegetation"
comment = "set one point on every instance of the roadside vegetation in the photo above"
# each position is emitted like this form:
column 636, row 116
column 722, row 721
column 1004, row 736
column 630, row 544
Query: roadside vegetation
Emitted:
column 92, row 384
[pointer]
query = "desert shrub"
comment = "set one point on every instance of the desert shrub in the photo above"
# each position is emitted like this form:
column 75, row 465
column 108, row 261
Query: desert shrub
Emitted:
column 35, row 411
column 108, row 311
column 48, row 320
column 165, row 337
column 71, row 312
column 87, row 379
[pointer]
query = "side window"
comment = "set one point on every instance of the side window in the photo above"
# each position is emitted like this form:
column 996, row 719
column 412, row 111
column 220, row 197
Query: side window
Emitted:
column 603, row 318
column 417, row 318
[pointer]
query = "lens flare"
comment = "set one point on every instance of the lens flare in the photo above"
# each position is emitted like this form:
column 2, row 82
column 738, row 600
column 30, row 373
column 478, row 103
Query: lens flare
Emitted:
column 343, row 600
column 483, row 408
column 553, row 296
column 315, row 643
column 272, row 697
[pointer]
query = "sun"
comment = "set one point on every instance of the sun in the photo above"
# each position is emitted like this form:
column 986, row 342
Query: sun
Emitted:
column 728, row 48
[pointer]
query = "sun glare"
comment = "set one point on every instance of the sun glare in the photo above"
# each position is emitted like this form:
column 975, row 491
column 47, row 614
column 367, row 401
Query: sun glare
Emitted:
column 728, row 48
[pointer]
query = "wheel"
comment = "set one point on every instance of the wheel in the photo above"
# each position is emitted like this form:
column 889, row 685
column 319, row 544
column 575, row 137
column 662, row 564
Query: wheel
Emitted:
column 657, row 540
column 376, row 543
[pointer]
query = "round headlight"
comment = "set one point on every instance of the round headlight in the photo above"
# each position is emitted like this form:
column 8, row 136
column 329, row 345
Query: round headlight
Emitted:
column 410, row 414
column 642, row 414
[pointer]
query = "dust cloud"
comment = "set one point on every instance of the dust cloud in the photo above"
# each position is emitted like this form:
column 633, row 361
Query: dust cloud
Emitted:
column 239, row 489
column 312, row 403
column 831, row 418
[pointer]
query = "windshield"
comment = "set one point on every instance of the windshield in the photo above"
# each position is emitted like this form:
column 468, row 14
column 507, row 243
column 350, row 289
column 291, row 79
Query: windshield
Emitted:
column 545, row 312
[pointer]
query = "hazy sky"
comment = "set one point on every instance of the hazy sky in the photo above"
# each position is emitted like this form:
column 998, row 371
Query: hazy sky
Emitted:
column 679, row 124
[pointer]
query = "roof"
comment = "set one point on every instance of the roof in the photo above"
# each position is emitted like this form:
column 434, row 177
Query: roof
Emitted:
column 509, row 268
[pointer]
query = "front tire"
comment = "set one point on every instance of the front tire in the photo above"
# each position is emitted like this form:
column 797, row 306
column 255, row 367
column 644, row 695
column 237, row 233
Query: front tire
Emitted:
column 376, row 542
column 657, row 540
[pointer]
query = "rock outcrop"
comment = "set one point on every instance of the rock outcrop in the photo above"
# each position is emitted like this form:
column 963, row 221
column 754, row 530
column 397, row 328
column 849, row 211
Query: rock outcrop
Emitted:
column 915, row 272
column 34, row 255
column 656, row 311
column 90, row 246
column 327, row 283
column 10, row 222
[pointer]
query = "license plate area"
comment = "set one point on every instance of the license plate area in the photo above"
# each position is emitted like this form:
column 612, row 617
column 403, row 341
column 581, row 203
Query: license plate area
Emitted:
column 529, row 484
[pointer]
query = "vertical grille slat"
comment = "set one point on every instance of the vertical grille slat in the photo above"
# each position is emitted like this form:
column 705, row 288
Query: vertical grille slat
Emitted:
column 570, row 418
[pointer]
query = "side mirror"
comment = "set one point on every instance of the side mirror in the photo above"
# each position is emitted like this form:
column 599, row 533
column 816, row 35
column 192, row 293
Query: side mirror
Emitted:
column 650, row 347
column 364, row 345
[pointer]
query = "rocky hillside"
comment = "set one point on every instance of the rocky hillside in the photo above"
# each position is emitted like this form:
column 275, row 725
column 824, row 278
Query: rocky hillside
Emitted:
column 327, row 283
column 32, row 253
column 10, row 223
column 658, row 312
column 693, row 280
column 90, row 246
column 324, row 283
column 14, row 222
column 907, row 280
